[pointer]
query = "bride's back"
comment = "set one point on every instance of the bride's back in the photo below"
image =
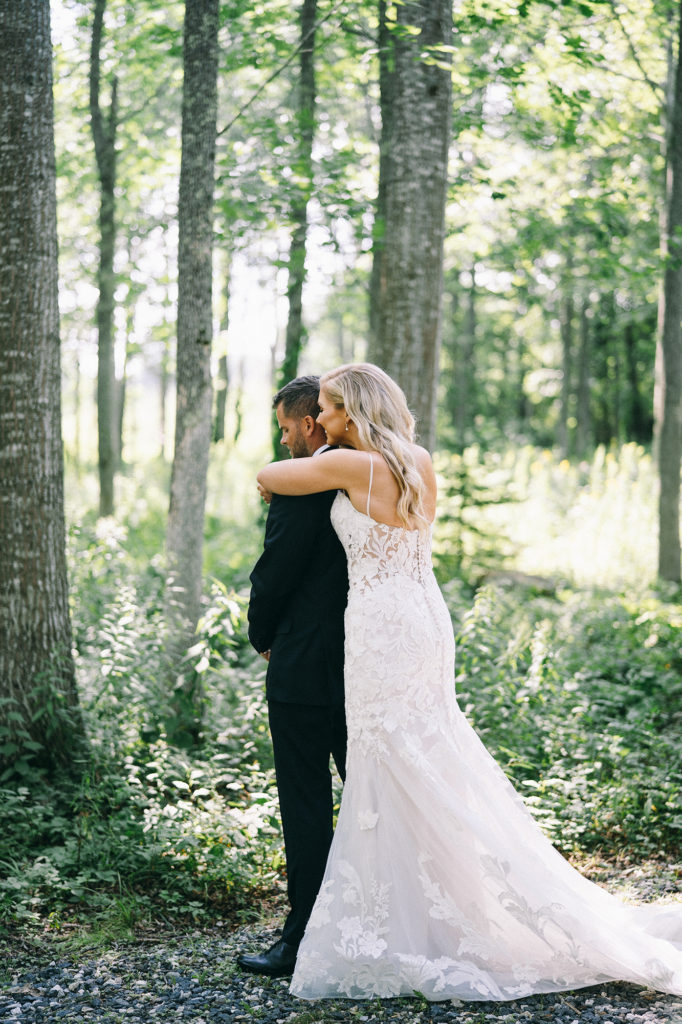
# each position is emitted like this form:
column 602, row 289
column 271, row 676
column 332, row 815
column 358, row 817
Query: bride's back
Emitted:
column 384, row 493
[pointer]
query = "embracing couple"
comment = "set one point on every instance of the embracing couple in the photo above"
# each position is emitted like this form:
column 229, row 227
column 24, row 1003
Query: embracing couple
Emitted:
column 437, row 880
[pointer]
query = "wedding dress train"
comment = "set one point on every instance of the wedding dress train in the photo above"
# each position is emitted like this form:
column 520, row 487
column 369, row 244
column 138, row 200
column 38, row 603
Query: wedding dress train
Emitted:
column 439, row 881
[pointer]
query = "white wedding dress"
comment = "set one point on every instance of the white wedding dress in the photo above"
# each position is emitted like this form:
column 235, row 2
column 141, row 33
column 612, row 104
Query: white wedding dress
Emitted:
column 438, row 880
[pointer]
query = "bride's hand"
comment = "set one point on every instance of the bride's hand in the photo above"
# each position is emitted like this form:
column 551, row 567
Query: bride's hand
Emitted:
column 265, row 494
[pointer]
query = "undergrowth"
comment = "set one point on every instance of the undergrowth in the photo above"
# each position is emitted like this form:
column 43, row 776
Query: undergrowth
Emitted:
column 579, row 698
column 142, row 829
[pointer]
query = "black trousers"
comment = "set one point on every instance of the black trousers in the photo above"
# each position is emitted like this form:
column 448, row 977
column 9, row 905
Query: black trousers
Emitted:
column 303, row 738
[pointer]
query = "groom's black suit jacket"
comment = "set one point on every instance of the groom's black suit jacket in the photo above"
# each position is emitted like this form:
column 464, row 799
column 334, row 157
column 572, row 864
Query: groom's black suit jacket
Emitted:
column 299, row 589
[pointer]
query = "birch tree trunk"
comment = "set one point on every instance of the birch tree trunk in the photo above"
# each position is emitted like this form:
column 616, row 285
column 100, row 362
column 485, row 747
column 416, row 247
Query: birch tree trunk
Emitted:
column 670, row 436
column 104, row 137
column 302, row 188
column 407, row 278
column 185, row 534
column 39, row 711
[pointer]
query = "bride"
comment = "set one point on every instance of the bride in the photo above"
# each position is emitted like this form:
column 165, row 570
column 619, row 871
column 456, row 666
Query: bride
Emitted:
column 438, row 880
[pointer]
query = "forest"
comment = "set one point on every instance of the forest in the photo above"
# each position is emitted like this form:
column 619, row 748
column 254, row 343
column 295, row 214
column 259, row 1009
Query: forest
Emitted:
column 202, row 199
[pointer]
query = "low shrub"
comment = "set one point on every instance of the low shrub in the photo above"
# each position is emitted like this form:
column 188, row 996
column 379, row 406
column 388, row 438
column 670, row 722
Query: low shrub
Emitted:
column 579, row 700
column 183, row 833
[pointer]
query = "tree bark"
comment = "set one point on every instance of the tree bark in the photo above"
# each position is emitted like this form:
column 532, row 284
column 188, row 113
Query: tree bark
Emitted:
column 583, row 412
column 636, row 424
column 195, row 326
column 77, row 447
column 39, row 710
column 223, row 385
column 407, row 281
column 670, row 437
column 566, row 326
column 386, row 103
column 302, row 186
column 238, row 402
column 120, row 386
column 667, row 120
column 463, row 388
column 164, row 380
column 221, row 400
column 104, row 137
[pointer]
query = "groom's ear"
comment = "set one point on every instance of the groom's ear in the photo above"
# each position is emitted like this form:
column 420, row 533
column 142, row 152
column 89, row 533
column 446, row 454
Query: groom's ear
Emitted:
column 308, row 424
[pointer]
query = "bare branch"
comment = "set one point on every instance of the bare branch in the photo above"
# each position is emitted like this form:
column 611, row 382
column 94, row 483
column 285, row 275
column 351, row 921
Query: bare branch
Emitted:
column 656, row 88
column 278, row 71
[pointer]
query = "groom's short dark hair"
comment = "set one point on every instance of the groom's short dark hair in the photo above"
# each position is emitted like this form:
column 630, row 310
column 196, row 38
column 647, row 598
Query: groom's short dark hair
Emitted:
column 299, row 397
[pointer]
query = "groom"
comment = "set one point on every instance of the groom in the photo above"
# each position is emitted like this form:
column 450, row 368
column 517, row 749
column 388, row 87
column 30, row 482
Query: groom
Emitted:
column 299, row 588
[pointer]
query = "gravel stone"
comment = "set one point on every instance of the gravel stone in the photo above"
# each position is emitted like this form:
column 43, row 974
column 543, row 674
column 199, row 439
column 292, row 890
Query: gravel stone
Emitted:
column 135, row 986
column 192, row 978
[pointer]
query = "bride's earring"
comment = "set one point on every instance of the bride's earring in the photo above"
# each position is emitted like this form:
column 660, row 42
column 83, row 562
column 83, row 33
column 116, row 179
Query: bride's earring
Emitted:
column 346, row 426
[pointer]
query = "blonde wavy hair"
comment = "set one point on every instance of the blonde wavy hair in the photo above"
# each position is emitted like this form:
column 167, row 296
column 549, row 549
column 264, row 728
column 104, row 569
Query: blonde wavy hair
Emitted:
column 378, row 408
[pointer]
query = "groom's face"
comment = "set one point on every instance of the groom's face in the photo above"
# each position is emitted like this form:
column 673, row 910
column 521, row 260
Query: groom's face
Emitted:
column 293, row 434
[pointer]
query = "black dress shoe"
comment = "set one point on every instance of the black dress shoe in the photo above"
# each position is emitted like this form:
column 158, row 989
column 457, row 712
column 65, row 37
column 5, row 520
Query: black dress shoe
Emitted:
column 279, row 960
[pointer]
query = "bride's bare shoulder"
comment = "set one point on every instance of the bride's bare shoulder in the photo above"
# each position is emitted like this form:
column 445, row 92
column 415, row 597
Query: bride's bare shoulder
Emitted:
column 427, row 473
column 423, row 461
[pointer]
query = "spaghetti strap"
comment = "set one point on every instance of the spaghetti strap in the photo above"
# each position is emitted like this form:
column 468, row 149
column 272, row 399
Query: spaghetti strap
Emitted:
column 371, row 474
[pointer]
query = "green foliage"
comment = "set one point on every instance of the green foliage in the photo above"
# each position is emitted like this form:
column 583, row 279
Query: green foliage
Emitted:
column 543, row 227
column 45, row 729
column 145, row 829
column 156, row 830
column 578, row 696
column 465, row 543
column 580, row 700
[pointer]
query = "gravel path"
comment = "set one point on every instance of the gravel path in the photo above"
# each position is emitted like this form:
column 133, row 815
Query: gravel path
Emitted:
column 192, row 978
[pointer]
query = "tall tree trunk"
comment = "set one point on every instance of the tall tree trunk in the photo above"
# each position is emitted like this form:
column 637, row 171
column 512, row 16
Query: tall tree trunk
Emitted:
column 185, row 534
column 386, row 102
column 667, row 120
column 77, row 447
column 104, row 137
column 164, row 378
column 221, row 400
column 38, row 698
column 120, row 385
column 121, row 382
column 566, row 328
column 464, row 384
column 602, row 418
column 303, row 167
column 223, row 370
column 583, row 412
column 636, row 422
column 408, row 280
column 238, row 402
column 670, row 438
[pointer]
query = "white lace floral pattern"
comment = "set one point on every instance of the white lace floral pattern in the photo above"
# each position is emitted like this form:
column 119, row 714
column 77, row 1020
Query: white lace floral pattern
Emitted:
column 439, row 880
